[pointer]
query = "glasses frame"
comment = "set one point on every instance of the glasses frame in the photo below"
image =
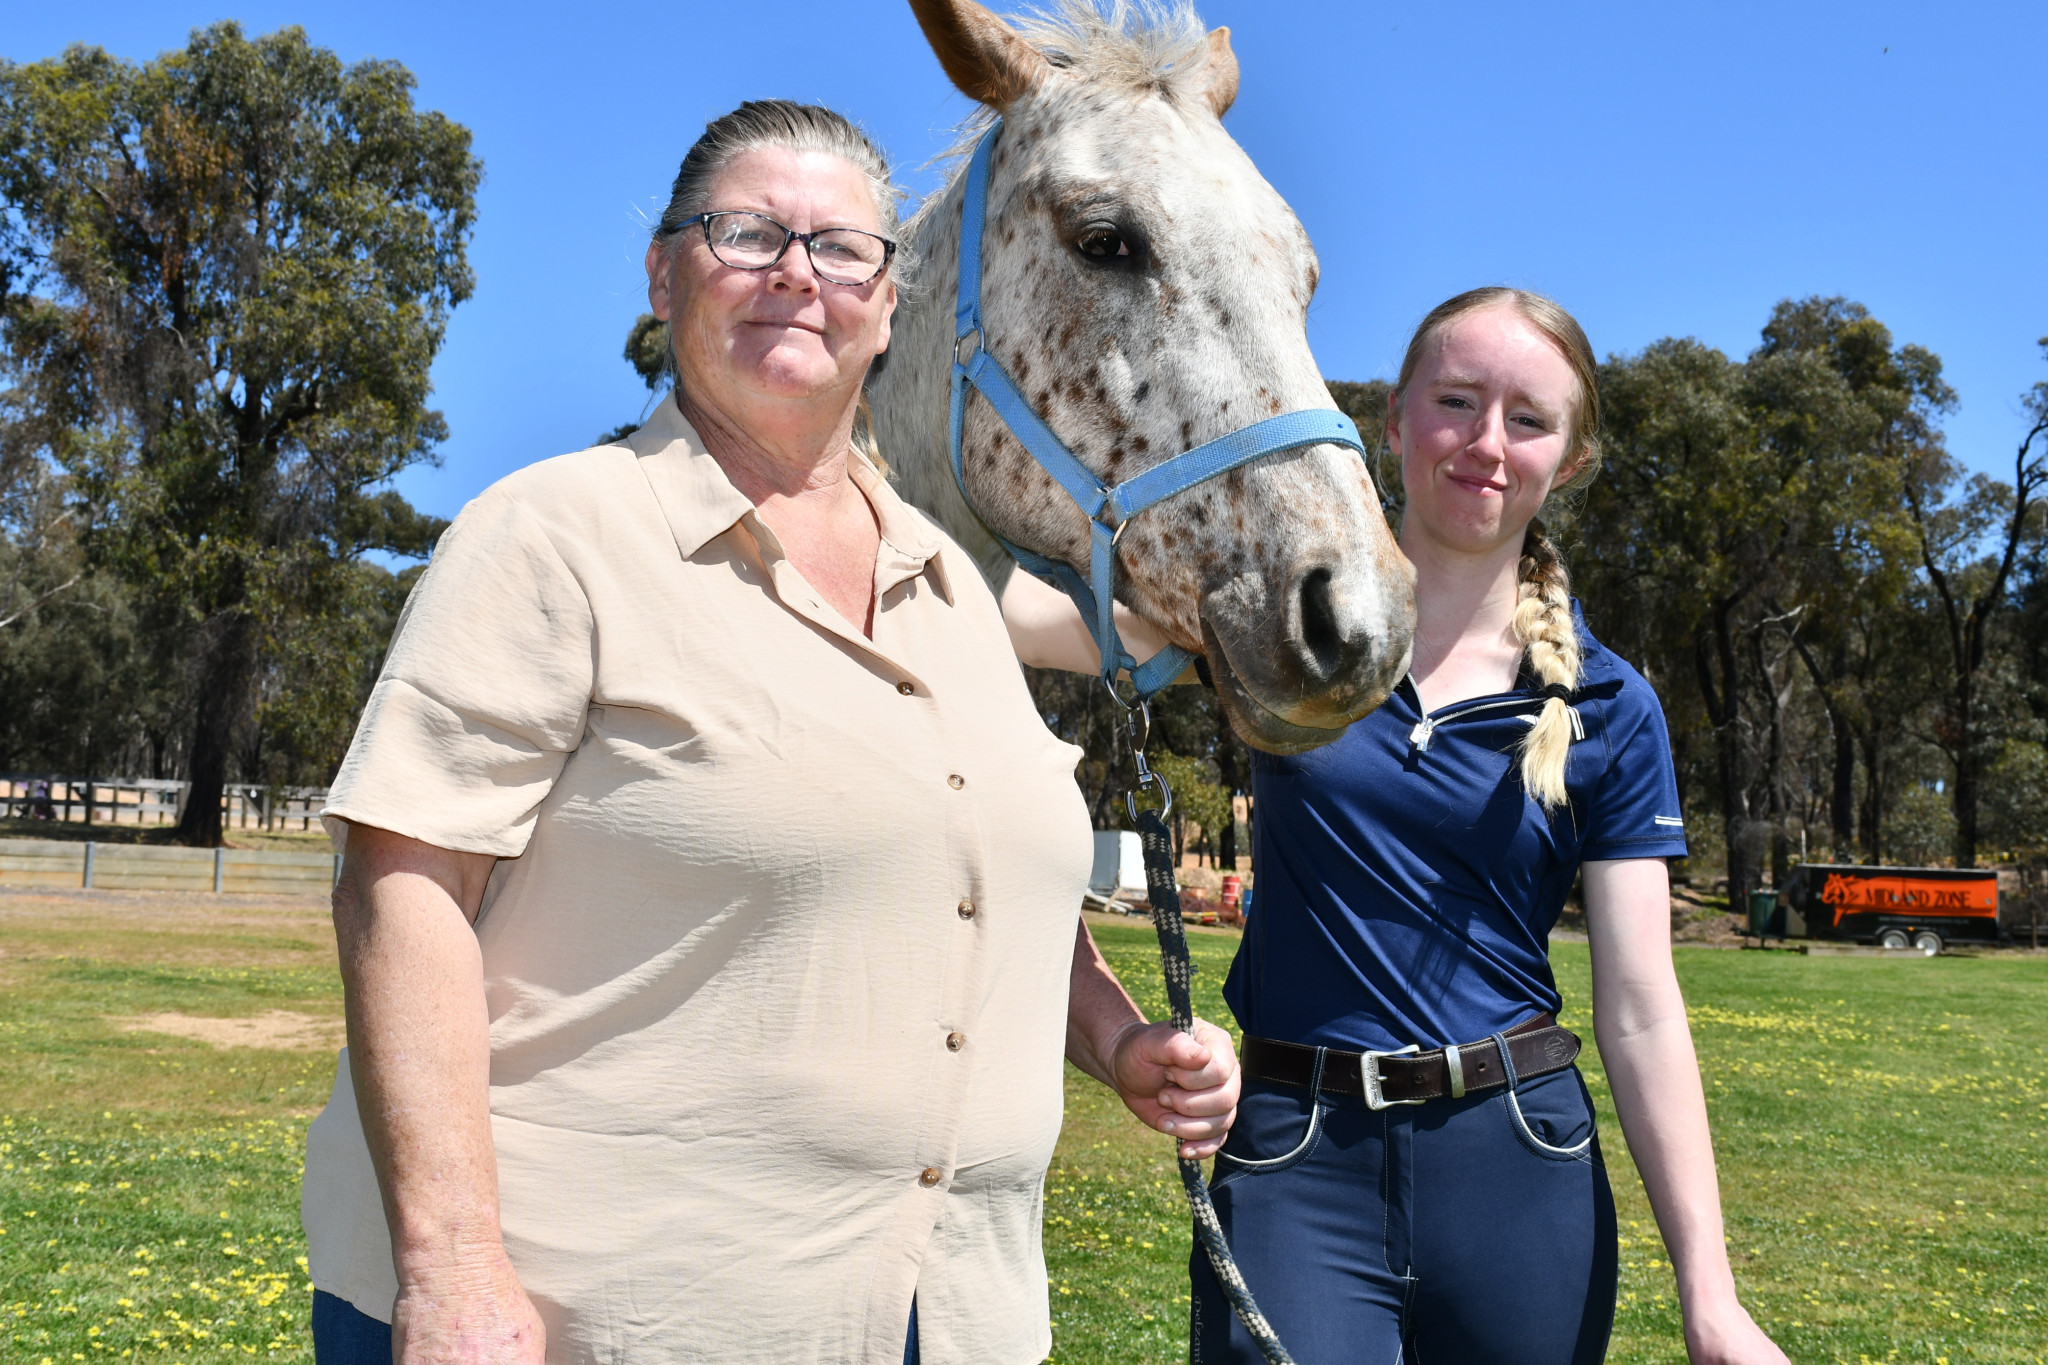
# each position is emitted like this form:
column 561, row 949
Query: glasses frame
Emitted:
column 703, row 221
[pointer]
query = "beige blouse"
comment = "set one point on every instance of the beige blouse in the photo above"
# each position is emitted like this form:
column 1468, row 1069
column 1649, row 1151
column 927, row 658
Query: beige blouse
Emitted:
column 777, row 952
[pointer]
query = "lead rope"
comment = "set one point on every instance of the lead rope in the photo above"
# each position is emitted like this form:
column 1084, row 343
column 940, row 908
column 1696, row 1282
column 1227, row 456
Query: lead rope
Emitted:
column 1164, row 892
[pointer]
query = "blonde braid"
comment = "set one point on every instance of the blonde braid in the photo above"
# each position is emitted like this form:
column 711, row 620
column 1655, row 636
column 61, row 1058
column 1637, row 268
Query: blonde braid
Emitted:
column 1543, row 623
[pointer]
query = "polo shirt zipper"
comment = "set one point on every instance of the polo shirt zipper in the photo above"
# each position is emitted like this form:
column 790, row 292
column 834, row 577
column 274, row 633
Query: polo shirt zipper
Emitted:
column 1419, row 737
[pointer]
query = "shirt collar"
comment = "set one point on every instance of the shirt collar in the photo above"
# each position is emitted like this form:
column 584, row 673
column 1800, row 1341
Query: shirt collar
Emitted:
column 700, row 503
column 909, row 546
column 697, row 499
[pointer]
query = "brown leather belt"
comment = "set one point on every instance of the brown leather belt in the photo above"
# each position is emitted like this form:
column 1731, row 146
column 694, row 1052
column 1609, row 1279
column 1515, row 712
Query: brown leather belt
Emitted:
column 1537, row 1047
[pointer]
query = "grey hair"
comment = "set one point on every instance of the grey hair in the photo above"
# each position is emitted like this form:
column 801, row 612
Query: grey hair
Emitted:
column 761, row 124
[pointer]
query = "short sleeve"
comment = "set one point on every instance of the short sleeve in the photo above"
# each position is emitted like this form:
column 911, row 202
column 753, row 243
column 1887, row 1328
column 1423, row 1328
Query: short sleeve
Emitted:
column 483, row 694
column 1634, row 811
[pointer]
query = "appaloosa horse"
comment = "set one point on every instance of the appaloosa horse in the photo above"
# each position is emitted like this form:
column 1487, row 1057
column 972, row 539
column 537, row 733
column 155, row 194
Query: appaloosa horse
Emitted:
column 1147, row 290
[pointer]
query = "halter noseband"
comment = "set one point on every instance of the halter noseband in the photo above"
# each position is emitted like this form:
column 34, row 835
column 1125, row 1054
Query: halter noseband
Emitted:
column 1108, row 508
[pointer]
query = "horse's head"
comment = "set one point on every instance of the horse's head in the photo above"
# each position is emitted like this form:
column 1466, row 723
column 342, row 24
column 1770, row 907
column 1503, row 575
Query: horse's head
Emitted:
column 1148, row 291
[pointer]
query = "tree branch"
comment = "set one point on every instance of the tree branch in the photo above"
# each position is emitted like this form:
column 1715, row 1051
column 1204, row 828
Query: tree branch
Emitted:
column 7, row 621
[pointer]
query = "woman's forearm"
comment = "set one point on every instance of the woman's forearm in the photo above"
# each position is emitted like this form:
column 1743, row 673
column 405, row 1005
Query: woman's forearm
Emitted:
column 1646, row 1047
column 1047, row 631
column 419, row 1049
column 1100, row 1012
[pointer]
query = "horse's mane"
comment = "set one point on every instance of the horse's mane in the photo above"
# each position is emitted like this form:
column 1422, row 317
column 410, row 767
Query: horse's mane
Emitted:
column 1141, row 45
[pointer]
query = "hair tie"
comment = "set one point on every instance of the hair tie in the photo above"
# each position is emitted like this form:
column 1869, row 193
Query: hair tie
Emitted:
column 1560, row 692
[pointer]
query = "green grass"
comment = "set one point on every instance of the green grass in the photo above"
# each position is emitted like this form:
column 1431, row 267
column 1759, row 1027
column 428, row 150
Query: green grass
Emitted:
column 1882, row 1125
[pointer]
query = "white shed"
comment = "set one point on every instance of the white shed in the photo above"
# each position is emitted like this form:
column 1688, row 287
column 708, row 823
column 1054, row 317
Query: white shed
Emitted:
column 1118, row 878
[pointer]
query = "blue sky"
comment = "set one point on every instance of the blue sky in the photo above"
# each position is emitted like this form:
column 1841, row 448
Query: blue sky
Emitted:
column 1660, row 169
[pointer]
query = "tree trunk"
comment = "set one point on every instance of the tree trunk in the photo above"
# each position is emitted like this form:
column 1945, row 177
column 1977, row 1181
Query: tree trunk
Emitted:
column 1712, row 646
column 1969, row 761
column 1842, row 801
column 1228, row 777
column 223, row 702
column 1873, row 800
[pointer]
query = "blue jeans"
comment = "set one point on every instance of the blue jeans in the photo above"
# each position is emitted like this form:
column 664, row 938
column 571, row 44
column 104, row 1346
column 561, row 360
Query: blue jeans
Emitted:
column 1478, row 1231
column 344, row 1334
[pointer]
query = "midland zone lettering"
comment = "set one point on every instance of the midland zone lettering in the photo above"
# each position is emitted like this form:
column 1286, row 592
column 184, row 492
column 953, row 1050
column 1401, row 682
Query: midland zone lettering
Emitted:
column 1908, row 895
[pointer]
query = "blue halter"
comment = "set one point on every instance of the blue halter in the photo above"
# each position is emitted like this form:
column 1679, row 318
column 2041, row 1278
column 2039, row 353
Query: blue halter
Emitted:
column 1108, row 509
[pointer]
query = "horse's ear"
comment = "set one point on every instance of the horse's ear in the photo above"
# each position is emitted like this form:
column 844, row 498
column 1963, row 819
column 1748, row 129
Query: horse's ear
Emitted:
column 1222, row 90
column 982, row 55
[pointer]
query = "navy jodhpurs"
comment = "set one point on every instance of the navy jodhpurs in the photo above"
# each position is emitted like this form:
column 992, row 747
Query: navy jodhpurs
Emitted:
column 344, row 1334
column 1459, row 1232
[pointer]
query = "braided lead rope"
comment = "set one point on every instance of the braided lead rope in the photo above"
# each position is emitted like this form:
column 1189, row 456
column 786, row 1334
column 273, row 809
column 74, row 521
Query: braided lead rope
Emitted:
column 1173, row 959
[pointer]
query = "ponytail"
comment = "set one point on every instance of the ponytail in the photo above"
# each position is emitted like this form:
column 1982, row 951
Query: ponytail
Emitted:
column 1543, row 623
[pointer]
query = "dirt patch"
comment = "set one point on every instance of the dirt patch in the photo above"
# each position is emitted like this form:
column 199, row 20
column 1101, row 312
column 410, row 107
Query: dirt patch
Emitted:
column 276, row 1030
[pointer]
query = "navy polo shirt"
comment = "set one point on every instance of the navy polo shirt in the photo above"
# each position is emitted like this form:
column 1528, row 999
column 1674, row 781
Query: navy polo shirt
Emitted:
column 1407, row 884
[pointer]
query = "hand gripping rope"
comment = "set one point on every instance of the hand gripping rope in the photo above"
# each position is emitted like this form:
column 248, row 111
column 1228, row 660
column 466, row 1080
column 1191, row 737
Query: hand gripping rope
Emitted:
column 1164, row 893
column 1109, row 510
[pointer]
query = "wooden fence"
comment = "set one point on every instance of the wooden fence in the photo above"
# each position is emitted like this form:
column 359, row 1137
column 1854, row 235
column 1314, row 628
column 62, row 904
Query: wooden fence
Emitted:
column 153, row 801
column 151, row 867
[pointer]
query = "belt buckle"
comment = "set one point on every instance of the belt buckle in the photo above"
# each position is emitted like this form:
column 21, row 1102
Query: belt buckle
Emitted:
column 1369, row 1072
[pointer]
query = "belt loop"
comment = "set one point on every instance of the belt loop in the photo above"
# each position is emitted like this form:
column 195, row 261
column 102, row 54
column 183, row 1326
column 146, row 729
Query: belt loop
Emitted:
column 1315, row 1076
column 1507, row 1063
column 1454, row 1062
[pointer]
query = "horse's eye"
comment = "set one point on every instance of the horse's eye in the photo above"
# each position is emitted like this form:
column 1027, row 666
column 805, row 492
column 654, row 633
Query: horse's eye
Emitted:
column 1102, row 241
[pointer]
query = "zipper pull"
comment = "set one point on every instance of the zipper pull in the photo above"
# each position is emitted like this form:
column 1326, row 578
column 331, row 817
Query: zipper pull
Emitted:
column 1419, row 736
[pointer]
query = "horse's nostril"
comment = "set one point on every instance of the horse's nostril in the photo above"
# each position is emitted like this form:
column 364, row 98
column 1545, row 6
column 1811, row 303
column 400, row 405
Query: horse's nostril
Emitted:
column 1322, row 634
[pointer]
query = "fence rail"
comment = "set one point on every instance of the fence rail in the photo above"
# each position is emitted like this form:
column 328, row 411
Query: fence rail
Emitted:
column 150, row 867
column 153, row 801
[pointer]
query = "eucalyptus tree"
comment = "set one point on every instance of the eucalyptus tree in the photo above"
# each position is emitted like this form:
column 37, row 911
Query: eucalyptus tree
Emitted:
column 226, row 274
column 1969, row 546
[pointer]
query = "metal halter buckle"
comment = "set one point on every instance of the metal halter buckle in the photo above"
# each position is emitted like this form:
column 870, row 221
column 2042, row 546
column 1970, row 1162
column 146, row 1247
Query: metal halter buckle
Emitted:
column 1369, row 1072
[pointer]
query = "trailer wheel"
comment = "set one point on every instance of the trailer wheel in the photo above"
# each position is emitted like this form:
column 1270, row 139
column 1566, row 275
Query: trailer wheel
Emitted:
column 1894, row 938
column 1928, row 942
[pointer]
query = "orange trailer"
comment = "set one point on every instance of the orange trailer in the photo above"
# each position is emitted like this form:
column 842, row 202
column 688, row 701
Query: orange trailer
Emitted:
column 1894, row 907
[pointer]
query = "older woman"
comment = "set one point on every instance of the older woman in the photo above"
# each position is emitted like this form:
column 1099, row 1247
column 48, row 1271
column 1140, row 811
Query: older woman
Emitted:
column 708, row 916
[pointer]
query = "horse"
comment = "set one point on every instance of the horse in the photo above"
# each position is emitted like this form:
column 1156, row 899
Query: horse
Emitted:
column 1148, row 291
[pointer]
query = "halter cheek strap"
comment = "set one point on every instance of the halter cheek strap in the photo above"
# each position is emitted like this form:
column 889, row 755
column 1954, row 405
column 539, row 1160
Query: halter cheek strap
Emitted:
column 1109, row 508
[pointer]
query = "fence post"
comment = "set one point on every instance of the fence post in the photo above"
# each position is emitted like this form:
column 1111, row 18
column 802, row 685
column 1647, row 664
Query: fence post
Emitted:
column 220, row 856
column 89, row 846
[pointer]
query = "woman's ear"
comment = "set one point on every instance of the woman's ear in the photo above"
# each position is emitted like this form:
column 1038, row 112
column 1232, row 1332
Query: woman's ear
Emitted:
column 888, row 316
column 1394, row 423
column 660, row 280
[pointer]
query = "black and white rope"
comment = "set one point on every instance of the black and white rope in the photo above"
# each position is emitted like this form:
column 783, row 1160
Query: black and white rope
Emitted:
column 1173, row 959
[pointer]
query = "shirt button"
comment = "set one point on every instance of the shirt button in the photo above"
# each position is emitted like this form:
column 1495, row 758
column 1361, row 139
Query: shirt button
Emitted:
column 956, row 782
column 905, row 688
column 966, row 909
column 930, row 1177
column 955, row 1041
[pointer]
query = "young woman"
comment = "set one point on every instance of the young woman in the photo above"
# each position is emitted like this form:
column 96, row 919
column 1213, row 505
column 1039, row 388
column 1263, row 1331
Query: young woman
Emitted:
column 1414, row 1173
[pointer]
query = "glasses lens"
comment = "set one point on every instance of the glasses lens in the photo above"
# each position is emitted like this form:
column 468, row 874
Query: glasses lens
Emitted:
column 848, row 256
column 745, row 241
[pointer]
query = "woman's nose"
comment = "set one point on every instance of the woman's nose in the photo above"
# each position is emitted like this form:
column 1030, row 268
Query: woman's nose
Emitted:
column 794, row 271
column 1490, row 436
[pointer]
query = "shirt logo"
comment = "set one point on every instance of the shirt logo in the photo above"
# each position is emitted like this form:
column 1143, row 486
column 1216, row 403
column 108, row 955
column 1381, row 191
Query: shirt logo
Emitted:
column 1671, row 820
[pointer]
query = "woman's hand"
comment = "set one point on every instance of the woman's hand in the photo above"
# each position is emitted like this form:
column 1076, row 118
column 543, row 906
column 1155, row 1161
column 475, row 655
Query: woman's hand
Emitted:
column 465, row 1317
column 1184, row 1086
column 1728, row 1336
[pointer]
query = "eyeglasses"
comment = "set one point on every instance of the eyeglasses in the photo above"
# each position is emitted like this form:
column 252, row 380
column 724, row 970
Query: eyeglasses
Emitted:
column 754, row 241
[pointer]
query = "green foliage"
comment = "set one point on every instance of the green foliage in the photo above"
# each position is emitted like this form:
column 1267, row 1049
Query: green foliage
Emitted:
column 647, row 350
column 228, row 272
column 1366, row 405
column 1784, row 547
